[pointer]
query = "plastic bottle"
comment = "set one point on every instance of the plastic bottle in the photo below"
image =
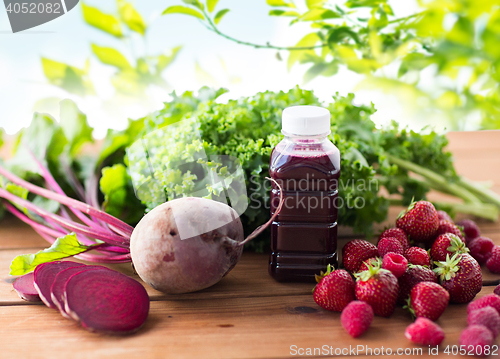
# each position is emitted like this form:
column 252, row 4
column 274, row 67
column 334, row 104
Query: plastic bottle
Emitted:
column 307, row 166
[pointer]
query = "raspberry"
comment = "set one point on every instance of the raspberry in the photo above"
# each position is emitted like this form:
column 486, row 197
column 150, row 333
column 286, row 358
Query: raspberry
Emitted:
column 390, row 244
column 444, row 215
column 497, row 290
column 397, row 233
column 477, row 336
column 480, row 248
column 396, row 263
column 471, row 230
column 490, row 300
column 425, row 332
column 356, row 318
column 417, row 256
column 486, row 316
column 493, row 263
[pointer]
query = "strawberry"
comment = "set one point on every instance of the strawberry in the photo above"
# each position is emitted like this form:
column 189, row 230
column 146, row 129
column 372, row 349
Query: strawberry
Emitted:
column 476, row 338
column 379, row 288
column 470, row 229
column 356, row 318
column 355, row 252
column 424, row 332
column 486, row 316
column 449, row 227
column 389, row 244
column 480, row 248
column 419, row 221
column 490, row 300
column 395, row 263
column 493, row 263
column 375, row 261
column 335, row 289
column 397, row 233
column 447, row 244
column 461, row 276
column 413, row 275
column 428, row 300
column 442, row 215
column 418, row 256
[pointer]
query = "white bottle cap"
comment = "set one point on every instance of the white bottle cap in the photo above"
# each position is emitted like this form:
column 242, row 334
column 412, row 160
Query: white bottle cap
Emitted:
column 305, row 120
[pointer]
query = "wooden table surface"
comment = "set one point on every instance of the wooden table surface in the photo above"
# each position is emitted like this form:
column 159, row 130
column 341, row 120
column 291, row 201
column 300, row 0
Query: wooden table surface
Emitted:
column 246, row 315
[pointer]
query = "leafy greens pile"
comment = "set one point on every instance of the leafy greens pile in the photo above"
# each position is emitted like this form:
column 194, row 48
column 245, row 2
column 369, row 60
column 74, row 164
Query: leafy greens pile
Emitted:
column 248, row 129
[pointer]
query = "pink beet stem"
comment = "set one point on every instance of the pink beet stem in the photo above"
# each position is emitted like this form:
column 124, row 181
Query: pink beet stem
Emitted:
column 70, row 202
column 32, row 223
column 106, row 237
column 50, row 236
column 52, row 183
column 261, row 228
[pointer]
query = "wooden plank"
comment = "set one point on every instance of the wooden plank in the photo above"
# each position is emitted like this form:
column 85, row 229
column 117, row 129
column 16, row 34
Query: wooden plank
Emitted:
column 212, row 328
column 16, row 234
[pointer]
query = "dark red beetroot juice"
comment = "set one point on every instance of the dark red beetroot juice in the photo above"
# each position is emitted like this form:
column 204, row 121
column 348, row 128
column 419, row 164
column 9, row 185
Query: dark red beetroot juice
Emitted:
column 307, row 166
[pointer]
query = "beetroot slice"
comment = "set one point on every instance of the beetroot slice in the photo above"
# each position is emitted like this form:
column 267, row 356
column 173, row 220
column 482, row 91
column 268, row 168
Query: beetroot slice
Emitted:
column 44, row 277
column 25, row 287
column 57, row 289
column 106, row 301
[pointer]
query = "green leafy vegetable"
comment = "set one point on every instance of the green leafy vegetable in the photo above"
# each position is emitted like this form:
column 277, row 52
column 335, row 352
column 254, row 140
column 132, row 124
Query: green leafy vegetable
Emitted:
column 63, row 247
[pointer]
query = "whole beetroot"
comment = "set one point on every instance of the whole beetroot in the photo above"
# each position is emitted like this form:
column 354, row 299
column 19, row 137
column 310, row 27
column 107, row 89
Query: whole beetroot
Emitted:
column 171, row 263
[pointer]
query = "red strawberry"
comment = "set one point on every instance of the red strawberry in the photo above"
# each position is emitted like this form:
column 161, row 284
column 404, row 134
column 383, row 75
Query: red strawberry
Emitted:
column 429, row 300
column 389, row 244
column 444, row 215
column 476, row 338
column 356, row 318
column 447, row 244
column 493, row 263
column 395, row 263
column 419, row 221
column 490, row 300
column 335, row 289
column 375, row 261
column 418, row 256
column 486, row 316
column 397, row 233
column 448, row 227
column 470, row 229
column 413, row 275
column 355, row 252
column 461, row 276
column 480, row 248
column 424, row 332
column 379, row 288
